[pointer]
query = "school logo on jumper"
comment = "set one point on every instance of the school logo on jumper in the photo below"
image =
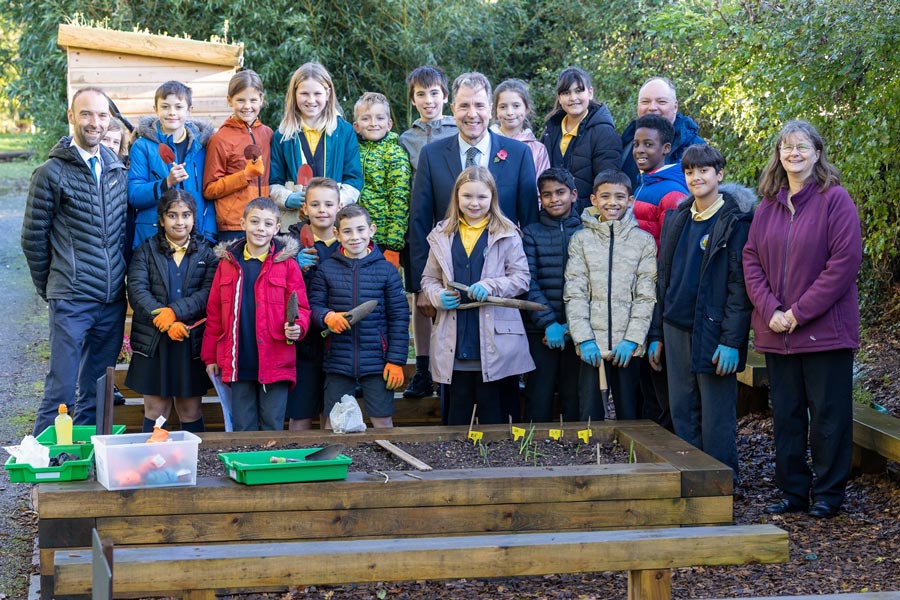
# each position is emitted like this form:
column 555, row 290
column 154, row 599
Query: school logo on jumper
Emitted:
column 704, row 241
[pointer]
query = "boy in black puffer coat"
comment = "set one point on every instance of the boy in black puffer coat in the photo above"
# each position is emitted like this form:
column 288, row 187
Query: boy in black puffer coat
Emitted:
column 370, row 352
column 558, row 367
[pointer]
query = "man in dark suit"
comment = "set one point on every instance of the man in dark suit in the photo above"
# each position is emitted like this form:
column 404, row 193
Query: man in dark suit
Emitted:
column 441, row 162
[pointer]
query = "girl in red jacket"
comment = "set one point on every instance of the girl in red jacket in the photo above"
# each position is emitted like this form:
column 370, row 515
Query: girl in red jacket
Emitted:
column 231, row 176
column 248, row 339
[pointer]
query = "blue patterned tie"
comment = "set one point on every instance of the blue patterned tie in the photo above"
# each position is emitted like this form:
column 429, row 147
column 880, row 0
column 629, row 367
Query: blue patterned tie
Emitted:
column 472, row 157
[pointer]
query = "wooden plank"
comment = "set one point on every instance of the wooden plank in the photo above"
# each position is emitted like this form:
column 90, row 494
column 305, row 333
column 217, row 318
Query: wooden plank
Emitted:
column 154, row 76
column 702, row 475
column 876, row 431
column 647, row 584
column 403, row 455
column 146, row 44
column 415, row 521
column 227, row 566
column 463, row 487
column 863, row 596
column 65, row 532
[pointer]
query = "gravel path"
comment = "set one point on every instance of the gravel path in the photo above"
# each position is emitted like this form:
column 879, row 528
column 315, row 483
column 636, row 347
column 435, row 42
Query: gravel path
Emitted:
column 23, row 352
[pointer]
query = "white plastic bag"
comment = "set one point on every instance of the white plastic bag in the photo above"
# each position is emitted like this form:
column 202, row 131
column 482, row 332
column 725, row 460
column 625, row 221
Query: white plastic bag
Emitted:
column 31, row 452
column 346, row 417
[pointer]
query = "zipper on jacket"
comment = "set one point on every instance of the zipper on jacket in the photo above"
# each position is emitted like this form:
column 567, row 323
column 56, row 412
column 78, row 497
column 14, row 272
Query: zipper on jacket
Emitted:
column 355, row 330
column 235, row 321
column 787, row 246
column 609, row 285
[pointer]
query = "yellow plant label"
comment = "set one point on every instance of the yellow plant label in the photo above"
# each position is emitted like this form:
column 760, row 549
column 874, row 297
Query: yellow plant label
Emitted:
column 585, row 435
column 475, row 436
column 517, row 432
column 556, row 434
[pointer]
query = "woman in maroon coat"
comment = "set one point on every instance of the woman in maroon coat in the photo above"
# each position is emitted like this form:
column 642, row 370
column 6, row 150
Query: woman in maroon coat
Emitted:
column 800, row 267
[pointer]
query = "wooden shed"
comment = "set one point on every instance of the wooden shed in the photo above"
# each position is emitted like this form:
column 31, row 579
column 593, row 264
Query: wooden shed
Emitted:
column 129, row 66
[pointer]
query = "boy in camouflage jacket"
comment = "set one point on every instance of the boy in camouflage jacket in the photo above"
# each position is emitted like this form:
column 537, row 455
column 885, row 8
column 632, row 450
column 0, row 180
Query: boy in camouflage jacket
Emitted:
column 386, row 174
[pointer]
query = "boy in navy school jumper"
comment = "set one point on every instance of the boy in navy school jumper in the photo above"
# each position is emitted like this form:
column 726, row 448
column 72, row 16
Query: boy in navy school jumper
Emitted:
column 559, row 369
column 371, row 352
column 702, row 316
column 323, row 201
column 661, row 186
column 247, row 339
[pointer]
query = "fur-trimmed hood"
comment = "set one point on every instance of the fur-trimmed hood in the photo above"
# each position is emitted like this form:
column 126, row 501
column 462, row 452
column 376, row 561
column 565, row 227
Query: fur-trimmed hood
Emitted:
column 746, row 199
column 283, row 247
column 148, row 127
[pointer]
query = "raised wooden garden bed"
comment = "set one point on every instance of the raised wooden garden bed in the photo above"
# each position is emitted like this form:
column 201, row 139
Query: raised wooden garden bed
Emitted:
column 671, row 484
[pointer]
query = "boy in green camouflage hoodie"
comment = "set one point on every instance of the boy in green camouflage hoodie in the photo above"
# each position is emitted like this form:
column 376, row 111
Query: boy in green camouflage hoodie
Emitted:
column 386, row 174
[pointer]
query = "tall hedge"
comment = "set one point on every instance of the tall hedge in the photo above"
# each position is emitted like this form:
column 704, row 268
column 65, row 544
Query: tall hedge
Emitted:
column 742, row 67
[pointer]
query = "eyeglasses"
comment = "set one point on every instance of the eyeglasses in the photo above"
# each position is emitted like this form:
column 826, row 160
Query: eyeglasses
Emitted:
column 789, row 148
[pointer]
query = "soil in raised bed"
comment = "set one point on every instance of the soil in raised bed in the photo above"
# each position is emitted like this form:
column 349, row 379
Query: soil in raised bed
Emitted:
column 451, row 454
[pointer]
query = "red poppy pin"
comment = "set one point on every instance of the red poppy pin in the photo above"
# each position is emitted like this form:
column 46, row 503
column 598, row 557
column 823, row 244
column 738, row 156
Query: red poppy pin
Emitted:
column 501, row 155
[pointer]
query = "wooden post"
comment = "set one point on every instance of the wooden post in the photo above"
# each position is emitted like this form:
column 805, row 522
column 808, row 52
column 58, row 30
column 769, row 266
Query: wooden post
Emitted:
column 102, row 561
column 650, row 584
column 105, row 385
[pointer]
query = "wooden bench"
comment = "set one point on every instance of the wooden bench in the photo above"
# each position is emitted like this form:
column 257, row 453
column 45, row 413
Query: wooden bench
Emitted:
column 199, row 572
column 876, row 437
column 868, row 596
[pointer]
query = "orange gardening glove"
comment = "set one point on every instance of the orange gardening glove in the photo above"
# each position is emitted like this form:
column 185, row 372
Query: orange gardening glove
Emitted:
column 163, row 318
column 254, row 168
column 393, row 376
column 393, row 257
column 178, row 331
column 337, row 322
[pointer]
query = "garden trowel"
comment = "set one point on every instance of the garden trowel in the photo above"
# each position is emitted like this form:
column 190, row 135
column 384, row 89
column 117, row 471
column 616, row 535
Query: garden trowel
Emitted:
column 357, row 314
column 292, row 313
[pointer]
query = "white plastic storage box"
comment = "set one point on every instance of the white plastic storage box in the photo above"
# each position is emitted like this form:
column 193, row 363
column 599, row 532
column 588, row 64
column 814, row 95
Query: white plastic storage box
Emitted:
column 127, row 461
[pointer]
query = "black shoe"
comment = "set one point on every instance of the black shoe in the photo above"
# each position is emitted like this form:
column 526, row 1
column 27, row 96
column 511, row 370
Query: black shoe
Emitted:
column 785, row 506
column 823, row 510
column 419, row 386
column 118, row 398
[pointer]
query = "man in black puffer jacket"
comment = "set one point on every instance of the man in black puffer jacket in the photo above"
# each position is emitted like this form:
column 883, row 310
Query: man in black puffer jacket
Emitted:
column 73, row 237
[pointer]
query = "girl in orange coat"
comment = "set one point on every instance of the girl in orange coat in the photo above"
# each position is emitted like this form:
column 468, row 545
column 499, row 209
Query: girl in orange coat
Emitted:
column 238, row 156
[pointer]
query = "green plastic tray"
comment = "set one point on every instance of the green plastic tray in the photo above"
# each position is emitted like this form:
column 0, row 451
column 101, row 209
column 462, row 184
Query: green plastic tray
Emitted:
column 81, row 434
column 254, row 468
column 73, row 470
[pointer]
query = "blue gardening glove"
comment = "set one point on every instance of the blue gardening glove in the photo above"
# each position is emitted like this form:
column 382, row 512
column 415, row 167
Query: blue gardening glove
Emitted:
column 556, row 335
column 590, row 353
column 478, row 292
column 449, row 299
column 726, row 358
column 307, row 257
column 295, row 200
column 622, row 353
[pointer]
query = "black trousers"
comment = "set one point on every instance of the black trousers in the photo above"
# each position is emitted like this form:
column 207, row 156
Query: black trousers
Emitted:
column 812, row 397
column 468, row 389
column 560, row 372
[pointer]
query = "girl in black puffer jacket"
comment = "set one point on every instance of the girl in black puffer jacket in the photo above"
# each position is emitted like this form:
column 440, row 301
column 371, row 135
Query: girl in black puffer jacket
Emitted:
column 579, row 133
column 168, row 285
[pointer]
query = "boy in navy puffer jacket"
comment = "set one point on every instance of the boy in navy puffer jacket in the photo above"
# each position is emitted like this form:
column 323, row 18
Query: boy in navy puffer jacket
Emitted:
column 370, row 352
column 558, row 366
